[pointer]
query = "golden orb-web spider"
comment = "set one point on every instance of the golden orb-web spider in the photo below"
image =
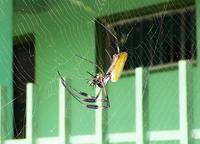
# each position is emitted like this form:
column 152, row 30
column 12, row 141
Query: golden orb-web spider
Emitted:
column 100, row 80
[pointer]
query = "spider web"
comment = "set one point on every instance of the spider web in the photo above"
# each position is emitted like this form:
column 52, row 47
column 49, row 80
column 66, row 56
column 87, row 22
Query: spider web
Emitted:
column 63, row 29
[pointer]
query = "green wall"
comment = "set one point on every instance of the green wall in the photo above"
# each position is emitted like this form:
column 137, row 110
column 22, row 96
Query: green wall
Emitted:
column 6, row 56
column 67, row 29
column 196, row 72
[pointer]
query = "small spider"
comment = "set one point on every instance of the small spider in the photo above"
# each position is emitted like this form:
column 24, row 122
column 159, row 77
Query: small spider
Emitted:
column 100, row 80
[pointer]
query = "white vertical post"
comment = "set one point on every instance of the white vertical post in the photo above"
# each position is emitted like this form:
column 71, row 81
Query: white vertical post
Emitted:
column 140, row 91
column 183, row 102
column 29, row 113
column 2, row 114
column 99, row 121
column 62, row 113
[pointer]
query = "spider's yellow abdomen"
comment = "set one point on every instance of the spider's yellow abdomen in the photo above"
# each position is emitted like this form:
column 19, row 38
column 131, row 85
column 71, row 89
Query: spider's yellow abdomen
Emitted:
column 119, row 65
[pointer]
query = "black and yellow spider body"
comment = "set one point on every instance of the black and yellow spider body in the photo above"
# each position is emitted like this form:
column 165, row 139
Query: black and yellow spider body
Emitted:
column 113, row 73
column 117, row 66
column 100, row 80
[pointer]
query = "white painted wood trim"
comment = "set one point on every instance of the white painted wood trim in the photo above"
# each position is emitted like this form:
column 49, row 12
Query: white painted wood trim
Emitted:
column 122, row 137
column 139, row 105
column 17, row 141
column 29, row 113
column 164, row 135
column 183, row 117
column 45, row 140
column 99, row 121
column 62, row 113
column 83, row 139
column 196, row 134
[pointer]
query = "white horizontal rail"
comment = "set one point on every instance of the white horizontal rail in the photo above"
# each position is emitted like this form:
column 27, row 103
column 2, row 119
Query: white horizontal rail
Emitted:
column 48, row 140
column 164, row 135
column 83, row 139
column 51, row 140
column 15, row 141
column 122, row 137
column 113, row 137
column 196, row 133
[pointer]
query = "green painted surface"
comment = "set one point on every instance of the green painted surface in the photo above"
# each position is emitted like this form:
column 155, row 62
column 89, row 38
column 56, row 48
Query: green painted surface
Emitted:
column 82, row 119
column 196, row 141
column 3, row 129
column 59, row 36
column 163, row 100
column 121, row 116
column 55, row 50
column 6, row 57
column 196, row 72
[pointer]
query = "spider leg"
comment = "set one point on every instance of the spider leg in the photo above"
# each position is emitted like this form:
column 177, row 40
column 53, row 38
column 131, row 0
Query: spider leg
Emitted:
column 97, row 107
column 95, row 99
column 88, row 102
column 91, row 100
column 107, row 98
column 67, row 86
column 91, row 62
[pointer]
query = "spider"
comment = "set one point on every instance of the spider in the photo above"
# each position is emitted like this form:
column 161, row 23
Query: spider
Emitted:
column 100, row 80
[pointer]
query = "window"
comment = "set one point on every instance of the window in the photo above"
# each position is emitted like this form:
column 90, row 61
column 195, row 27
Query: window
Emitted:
column 23, row 72
column 156, row 39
